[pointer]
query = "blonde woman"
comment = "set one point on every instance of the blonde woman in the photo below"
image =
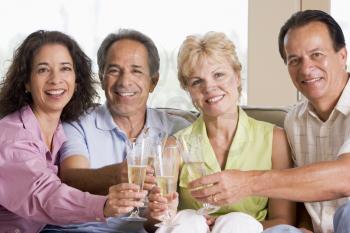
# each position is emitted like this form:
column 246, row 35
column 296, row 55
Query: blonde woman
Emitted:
column 209, row 70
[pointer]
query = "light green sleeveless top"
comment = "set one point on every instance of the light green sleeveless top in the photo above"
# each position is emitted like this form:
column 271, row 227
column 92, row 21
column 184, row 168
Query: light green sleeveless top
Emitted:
column 251, row 149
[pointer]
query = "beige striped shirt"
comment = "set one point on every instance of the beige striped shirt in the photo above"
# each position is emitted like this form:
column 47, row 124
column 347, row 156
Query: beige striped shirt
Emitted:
column 313, row 140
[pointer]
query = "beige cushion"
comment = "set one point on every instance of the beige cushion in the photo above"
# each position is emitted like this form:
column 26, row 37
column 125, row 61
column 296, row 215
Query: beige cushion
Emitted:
column 273, row 115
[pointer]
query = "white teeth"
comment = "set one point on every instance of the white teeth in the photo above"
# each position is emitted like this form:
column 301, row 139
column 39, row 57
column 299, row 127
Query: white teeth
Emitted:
column 215, row 99
column 311, row 80
column 55, row 92
column 126, row 93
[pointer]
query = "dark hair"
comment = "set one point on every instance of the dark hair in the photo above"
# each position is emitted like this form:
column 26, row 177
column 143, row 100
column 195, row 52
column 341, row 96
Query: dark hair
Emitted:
column 13, row 95
column 302, row 18
column 130, row 34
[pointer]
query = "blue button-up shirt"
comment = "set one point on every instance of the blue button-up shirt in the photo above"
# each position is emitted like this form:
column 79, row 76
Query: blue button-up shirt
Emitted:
column 99, row 138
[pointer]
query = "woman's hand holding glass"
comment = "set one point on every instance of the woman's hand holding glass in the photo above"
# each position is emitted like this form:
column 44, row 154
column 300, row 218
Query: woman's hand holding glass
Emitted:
column 225, row 187
column 195, row 164
column 166, row 165
column 160, row 205
column 123, row 198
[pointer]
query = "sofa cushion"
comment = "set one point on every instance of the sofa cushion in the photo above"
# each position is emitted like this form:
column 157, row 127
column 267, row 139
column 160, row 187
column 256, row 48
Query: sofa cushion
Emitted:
column 273, row 115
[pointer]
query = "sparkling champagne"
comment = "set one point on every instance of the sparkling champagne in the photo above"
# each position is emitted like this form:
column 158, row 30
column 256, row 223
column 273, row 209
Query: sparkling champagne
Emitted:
column 167, row 184
column 137, row 174
column 150, row 161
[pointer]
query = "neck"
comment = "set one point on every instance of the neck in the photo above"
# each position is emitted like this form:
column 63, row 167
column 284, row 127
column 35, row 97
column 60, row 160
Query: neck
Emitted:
column 223, row 126
column 48, row 124
column 324, row 107
column 131, row 125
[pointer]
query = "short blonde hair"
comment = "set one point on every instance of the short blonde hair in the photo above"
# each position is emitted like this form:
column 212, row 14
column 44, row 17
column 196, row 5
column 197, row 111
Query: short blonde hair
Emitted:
column 215, row 45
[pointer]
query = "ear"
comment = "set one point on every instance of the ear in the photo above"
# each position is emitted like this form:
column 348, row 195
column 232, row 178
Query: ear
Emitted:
column 27, row 87
column 343, row 55
column 154, row 81
column 238, row 78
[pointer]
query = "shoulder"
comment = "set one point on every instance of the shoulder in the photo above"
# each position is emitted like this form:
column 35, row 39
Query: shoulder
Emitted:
column 173, row 119
column 12, row 129
column 16, row 142
column 254, row 124
column 85, row 120
column 295, row 111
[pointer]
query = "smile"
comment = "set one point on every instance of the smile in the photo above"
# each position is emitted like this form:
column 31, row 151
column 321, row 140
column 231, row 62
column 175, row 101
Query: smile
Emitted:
column 215, row 99
column 311, row 80
column 56, row 92
column 126, row 93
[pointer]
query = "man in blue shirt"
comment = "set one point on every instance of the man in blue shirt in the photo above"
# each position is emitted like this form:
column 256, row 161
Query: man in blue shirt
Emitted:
column 93, row 158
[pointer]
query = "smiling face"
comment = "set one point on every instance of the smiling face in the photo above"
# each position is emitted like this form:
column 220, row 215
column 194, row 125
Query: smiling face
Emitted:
column 52, row 79
column 316, row 69
column 127, row 82
column 213, row 87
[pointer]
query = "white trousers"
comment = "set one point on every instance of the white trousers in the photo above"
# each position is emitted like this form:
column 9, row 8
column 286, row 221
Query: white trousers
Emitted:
column 235, row 222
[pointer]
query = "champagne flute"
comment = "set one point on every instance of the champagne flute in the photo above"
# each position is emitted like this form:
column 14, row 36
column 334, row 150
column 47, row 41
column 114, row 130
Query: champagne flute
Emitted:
column 166, row 165
column 137, row 159
column 193, row 158
column 152, row 137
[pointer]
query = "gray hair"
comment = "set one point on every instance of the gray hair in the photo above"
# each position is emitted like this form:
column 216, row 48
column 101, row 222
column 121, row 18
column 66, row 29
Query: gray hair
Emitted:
column 130, row 34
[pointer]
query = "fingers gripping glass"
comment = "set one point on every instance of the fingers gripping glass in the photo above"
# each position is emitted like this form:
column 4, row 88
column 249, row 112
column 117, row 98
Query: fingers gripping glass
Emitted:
column 193, row 156
column 137, row 159
column 166, row 166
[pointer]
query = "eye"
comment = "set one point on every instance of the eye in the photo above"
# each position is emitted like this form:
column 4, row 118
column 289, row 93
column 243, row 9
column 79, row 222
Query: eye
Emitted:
column 218, row 75
column 137, row 71
column 41, row 70
column 66, row 68
column 195, row 82
column 293, row 61
column 317, row 55
column 113, row 71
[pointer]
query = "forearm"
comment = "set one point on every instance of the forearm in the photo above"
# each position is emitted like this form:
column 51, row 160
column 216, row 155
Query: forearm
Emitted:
column 96, row 181
column 314, row 182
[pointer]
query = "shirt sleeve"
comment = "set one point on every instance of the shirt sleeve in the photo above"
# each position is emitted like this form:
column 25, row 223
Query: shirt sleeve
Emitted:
column 31, row 190
column 75, row 143
column 345, row 148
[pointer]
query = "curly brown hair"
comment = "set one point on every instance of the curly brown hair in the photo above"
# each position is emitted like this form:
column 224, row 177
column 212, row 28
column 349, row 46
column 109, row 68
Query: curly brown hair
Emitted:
column 12, row 93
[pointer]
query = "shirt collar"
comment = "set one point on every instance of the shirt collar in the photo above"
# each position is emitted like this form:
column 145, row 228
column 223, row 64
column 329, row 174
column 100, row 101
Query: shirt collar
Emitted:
column 343, row 104
column 104, row 119
column 30, row 122
column 240, row 137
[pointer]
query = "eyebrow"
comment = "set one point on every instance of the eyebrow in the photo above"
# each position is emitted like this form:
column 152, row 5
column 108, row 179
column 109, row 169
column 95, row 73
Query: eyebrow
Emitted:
column 46, row 64
column 112, row 66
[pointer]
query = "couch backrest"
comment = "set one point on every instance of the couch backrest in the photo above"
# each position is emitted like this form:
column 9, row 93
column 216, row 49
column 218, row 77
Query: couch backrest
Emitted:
column 273, row 115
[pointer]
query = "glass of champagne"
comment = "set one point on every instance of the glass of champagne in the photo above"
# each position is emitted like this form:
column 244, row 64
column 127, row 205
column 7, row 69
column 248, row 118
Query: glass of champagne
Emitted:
column 166, row 166
column 193, row 157
column 152, row 136
column 137, row 159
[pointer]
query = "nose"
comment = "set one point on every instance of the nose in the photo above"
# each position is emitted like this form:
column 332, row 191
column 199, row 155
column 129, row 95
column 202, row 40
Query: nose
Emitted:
column 55, row 77
column 124, row 79
column 209, row 85
column 306, row 66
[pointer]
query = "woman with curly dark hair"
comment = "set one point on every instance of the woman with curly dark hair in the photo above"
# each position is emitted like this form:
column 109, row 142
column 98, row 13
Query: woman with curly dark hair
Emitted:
column 49, row 81
column 14, row 96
